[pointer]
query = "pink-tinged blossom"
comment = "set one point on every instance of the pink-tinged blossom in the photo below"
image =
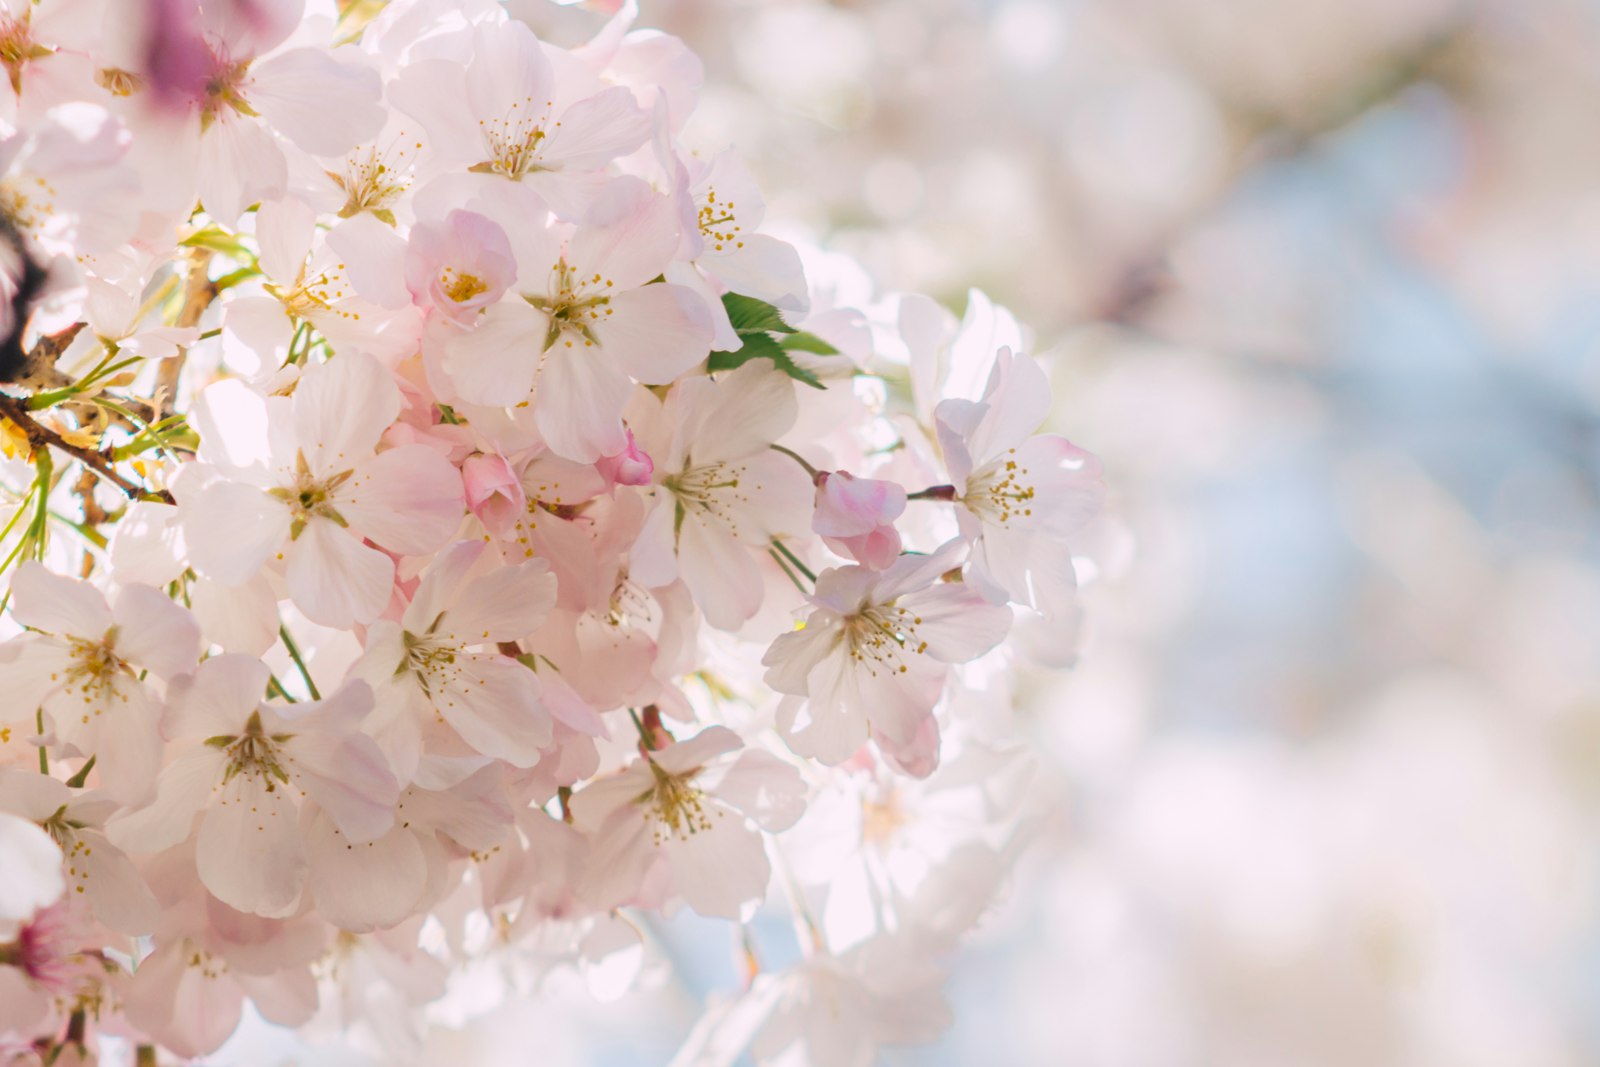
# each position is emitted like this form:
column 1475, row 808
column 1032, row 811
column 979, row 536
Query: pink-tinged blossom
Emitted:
column 507, row 113
column 871, row 658
column 729, row 255
column 64, row 183
column 98, row 872
column 82, row 664
column 312, row 490
column 47, row 966
column 175, row 58
column 241, row 787
column 45, row 57
column 842, row 1010
column 460, row 266
column 631, row 466
column 257, row 98
column 307, row 279
column 855, row 516
column 583, row 324
column 721, row 492
column 1021, row 496
column 437, row 672
column 494, row 492
column 189, row 993
column 693, row 810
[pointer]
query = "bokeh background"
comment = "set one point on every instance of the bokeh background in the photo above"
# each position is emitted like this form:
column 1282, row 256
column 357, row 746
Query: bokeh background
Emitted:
column 1319, row 280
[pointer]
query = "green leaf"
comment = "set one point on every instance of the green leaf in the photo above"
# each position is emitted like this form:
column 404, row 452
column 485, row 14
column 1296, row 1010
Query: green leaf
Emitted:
column 762, row 346
column 756, row 346
column 750, row 315
column 233, row 278
column 801, row 341
column 219, row 240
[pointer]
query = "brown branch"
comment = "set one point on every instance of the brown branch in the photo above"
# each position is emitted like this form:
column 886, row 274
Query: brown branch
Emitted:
column 16, row 410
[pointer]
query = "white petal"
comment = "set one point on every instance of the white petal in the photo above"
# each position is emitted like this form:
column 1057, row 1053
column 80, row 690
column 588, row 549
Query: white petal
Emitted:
column 148, row 544
column 232, row 529
column 721, row 869
column 324, row 106
column 765, row 268
column 240, row 164
column 349, row 779
column 249, row 852
column 30, row 868
column 117, row 893
column 628, row 236
column 957, row 623
column 217, row 698
column 657, row 331
column 240, row 618
column 580, row 402
column 495, row 362
column 128, row 747
column 256, row 332
column 154, row 632
column 719, row 572
column 284, row 230
column 235, row 424
column 336, row 580
column 367, row 886
column 341, row 408
column 597, row 130
column 493, row 703
column 762, row 786
column 47, row 601
column 507, row 605
column 372, row 254
column 407, row 499
column 183, row 790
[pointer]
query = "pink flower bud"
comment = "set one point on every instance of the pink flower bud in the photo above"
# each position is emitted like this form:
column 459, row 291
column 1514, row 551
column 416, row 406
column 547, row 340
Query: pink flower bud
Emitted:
column 855, row 516
column 494, row 493
column 631, row 466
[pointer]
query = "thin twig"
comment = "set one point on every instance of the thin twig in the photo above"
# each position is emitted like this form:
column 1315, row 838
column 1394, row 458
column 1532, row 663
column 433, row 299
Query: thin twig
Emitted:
column 40, row 435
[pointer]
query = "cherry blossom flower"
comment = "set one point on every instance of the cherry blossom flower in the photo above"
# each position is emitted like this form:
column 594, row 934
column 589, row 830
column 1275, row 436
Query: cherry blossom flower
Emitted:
column 98, row 872
column 426, row 675
column 695, row 808
column 317, row 490
column 871, row 659
column 583, row 323
column 508, row 112
column 257, row 96
column 720, row 488
column 245, row 778
column 82, row 664
column 1021, row 496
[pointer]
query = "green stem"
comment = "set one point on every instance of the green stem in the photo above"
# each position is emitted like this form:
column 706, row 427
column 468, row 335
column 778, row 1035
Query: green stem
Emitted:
column 275, row 686
column 294, row 654
column 798, row 458
column 793, row 577
column 792, row 558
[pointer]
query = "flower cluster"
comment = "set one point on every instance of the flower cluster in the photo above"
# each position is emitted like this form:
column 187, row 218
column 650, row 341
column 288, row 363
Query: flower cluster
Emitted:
column 443, row 526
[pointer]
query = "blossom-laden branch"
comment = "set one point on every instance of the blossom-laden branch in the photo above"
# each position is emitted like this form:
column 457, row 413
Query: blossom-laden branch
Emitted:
column 539, row 564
